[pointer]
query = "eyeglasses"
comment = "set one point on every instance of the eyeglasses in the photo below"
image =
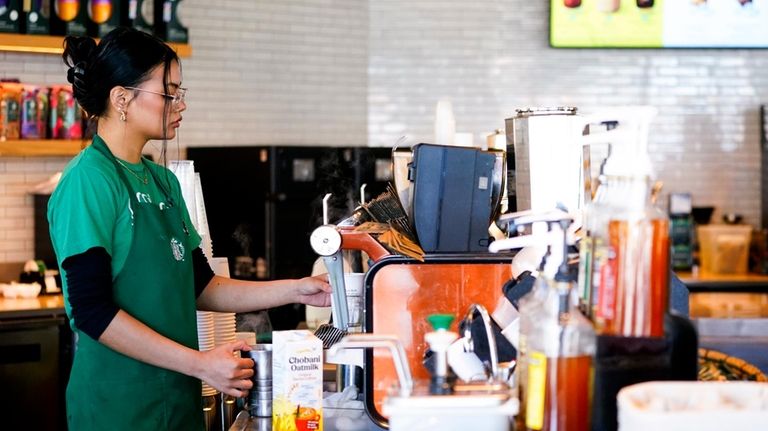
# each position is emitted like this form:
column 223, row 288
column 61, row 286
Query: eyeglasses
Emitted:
column 176, row 98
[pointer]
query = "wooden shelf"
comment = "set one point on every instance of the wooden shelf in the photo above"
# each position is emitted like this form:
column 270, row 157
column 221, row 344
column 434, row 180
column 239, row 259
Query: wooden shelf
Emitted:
column 55, row 44
column 41, row 147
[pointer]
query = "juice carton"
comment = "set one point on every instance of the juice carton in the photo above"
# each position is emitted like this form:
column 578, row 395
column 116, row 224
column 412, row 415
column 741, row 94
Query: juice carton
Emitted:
column 297, row 376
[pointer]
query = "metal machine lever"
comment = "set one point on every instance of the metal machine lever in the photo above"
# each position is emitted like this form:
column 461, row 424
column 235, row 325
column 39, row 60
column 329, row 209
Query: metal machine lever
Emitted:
column 388, row 341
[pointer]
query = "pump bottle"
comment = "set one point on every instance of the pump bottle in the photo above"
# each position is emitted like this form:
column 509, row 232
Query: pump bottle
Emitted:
column 629, row 239
column 560, row 347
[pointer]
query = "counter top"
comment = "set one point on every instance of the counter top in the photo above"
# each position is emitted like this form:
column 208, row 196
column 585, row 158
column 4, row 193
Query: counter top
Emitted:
column 724, row 282
column 43, row 305
column 356, row 421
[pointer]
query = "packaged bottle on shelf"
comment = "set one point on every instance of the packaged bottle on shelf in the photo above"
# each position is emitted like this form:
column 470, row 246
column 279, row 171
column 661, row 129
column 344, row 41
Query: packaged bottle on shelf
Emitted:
column 104, row 16
column 139, row 14
column 10, row 16
column 10, row 110
column 65, row 118
column 168, row 23
column 69, row 17
column 37, row 15
column 34, row 112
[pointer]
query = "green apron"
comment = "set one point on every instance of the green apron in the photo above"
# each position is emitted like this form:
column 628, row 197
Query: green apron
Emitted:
column 110, row 391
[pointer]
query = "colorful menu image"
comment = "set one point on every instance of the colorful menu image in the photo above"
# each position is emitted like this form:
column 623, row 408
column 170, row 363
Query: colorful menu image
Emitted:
column 659, row 23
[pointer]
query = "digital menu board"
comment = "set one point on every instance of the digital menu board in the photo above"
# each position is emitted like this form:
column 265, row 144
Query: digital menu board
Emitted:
column 659, row 23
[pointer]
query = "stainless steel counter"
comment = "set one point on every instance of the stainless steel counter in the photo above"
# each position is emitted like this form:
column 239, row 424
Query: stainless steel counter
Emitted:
column 333, row 420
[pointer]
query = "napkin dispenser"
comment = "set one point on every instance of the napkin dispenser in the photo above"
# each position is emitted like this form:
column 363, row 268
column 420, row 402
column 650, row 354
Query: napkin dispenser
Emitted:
column 452, row 197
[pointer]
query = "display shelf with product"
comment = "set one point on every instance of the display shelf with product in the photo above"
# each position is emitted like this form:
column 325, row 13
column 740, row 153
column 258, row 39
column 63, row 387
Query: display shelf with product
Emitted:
column 44, row 44
column 41, row 147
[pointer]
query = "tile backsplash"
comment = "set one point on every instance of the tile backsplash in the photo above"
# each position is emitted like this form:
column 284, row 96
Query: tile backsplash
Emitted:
column 351, row 72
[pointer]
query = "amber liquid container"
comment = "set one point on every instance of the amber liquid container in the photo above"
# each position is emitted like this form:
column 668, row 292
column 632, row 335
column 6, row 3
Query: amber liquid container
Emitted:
column 558, row 390
column 567, row 395
column 635, row 282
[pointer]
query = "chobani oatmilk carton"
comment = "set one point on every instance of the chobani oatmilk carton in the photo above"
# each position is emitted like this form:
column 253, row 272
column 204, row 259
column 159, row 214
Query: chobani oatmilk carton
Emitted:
column 297, row 381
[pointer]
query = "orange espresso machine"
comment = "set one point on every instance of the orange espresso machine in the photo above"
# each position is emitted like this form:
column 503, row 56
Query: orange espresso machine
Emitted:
column 400, row 293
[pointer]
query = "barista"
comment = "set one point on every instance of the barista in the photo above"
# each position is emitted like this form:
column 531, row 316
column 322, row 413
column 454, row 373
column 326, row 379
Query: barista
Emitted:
column 133, row 270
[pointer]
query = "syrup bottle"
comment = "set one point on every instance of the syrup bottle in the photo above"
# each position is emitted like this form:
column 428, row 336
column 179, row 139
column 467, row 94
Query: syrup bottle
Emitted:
column 559, row 355
column 632, row 288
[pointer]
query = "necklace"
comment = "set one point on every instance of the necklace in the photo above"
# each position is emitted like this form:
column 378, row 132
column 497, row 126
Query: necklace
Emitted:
column 144, row 180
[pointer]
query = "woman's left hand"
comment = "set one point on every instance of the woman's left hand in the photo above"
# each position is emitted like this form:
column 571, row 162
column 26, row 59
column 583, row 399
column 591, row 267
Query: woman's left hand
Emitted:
column 314, row 291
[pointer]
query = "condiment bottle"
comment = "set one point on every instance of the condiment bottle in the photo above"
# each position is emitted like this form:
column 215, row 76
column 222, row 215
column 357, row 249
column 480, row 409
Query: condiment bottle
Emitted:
column 560, row 347
column 633, row 284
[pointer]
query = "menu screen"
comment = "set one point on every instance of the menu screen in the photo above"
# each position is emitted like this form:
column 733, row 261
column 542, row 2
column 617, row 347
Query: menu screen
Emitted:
column 659, row 23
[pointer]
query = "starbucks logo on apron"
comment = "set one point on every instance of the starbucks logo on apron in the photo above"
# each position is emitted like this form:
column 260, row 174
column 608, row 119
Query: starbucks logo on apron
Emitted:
column 177, row 248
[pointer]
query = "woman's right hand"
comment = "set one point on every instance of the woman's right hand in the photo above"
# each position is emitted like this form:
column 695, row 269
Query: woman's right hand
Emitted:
column 224, row 371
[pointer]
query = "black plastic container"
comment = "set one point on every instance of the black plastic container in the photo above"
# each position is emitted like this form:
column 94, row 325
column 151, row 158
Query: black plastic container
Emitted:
column 622, row 361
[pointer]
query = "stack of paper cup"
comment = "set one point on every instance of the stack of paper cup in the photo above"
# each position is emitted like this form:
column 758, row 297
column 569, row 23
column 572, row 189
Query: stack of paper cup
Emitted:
column 224, row 328
column 206, row 340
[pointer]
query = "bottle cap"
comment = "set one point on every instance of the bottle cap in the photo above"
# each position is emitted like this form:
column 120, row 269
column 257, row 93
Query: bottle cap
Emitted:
column 440, row 321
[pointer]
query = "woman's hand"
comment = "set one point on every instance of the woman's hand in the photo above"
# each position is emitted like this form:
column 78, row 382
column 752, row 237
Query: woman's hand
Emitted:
column 226, row 372
column 314, row 291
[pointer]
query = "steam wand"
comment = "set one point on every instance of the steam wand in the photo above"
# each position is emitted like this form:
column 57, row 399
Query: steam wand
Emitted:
column 326, row 242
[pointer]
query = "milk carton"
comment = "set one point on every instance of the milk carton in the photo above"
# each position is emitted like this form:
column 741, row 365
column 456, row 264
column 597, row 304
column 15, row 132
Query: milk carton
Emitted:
column 297, row 386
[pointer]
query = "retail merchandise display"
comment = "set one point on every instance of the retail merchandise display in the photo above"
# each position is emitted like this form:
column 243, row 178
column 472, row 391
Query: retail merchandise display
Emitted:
column 93, row 18
column 38, row 112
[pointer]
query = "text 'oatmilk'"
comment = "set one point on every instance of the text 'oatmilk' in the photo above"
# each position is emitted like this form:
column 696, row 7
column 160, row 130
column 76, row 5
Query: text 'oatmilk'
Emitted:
column 297, row 388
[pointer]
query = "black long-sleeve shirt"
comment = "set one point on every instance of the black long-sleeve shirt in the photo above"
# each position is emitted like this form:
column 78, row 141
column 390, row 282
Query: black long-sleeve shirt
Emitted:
column 89, row 287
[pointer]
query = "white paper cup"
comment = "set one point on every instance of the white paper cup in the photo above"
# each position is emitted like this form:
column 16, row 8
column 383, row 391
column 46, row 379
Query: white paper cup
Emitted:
column 353, row 285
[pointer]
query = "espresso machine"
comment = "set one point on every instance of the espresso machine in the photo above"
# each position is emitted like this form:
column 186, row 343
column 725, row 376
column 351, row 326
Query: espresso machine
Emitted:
column 329, row 241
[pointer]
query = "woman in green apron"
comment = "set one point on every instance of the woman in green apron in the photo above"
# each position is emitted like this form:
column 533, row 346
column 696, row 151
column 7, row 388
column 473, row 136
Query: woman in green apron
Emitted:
column 133, row 271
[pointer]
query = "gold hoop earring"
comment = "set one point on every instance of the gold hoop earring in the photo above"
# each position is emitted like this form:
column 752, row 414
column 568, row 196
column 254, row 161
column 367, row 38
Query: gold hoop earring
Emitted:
column 122, row 115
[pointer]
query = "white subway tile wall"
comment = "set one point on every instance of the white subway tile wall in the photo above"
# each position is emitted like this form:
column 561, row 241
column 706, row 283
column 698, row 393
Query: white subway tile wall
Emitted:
column 357, row 72
column 490, row 57
column 261, row 72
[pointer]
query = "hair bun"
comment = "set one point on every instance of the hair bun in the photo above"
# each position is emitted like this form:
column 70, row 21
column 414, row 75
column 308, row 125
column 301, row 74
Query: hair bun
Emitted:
column 78, row 50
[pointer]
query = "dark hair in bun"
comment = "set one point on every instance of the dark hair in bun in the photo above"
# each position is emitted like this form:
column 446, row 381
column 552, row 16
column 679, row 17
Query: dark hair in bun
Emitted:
column 124, row 57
